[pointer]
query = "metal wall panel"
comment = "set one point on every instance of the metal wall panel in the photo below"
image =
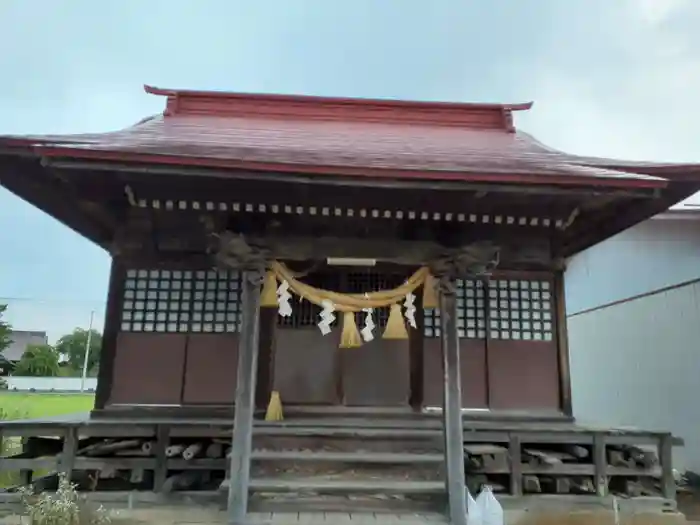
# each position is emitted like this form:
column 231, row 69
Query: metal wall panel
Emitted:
column 654, row 254
column 637, row 363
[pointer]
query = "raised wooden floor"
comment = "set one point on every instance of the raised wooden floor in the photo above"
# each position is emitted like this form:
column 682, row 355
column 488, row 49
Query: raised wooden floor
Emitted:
column 486, row 425
column 350, row 457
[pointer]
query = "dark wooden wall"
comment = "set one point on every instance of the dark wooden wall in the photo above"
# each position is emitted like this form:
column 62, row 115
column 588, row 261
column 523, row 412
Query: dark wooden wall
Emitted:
column 508, row 344
column 171, row 337
column 175, row 369
column 176, row 343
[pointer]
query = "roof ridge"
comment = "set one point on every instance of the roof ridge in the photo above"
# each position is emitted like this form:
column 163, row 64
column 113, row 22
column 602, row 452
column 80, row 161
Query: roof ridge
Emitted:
column 306, row 107
column 152, row 90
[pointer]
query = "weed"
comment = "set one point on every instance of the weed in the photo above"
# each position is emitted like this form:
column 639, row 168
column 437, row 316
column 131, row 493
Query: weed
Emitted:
column 64, row 507
column 10, row 446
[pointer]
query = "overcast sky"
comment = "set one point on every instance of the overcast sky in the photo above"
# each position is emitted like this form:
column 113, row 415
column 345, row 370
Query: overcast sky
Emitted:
column 613, row 78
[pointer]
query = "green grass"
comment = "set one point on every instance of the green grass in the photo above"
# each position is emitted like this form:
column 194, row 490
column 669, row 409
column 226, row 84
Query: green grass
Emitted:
column 20, row 405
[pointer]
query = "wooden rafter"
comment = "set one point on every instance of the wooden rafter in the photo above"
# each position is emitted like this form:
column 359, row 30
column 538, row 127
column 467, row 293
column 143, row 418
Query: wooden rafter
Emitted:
column 59, row 199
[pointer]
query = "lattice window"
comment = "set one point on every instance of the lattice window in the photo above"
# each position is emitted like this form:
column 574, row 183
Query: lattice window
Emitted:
column 373, row 281
column 341, row 280
column 181, row 301
column 520, row 310
column 471, row 312
column 216, row 301
column 305, row 313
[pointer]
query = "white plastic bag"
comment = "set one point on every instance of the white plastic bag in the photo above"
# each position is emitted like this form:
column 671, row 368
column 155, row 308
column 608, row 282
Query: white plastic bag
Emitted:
column 490, row 510
column 473, row 510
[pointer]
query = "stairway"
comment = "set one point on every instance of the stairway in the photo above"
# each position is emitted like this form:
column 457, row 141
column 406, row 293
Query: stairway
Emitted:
column 341, row 465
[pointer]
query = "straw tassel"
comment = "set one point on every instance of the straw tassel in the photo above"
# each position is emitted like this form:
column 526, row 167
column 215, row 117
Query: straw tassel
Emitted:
column 430, row 299
column 350, row 337
column 395, row 327
column 268, row 297
column 274, row 408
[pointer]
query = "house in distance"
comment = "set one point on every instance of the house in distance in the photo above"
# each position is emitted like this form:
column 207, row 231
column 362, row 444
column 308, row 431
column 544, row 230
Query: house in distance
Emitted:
column 20, row 340
column 452, row 226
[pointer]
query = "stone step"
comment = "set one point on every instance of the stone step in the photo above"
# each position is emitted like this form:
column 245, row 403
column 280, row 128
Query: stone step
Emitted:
column 347, row 457
column 326, row 486
column 347, row 432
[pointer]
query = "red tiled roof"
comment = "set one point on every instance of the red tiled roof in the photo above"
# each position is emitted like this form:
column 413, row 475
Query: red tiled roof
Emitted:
column 342, row 136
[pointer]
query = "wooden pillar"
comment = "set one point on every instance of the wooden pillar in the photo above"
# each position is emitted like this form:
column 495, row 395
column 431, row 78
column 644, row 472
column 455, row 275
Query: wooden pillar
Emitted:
column 266, row 357
column 516, row 465
column 160, row 474
column 70, row 447
column 241, row 446
column 562, row 345
column 668, row 482
column 26, row 476
column 452, row 405
column 600, row 464
column 105, row 373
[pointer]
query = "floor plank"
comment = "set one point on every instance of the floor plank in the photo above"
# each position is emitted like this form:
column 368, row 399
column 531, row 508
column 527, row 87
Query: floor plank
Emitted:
column 383, row 486
column 347, row 457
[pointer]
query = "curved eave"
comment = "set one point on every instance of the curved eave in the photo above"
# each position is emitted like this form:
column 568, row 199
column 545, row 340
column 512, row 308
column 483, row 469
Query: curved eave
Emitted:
column 623, row 214
column 10, row 143
column 375, row 150
column 669, row 170
column 676, row 172
column 672, row 171
column 522, row 178
column 22, row 173
column 15, row 142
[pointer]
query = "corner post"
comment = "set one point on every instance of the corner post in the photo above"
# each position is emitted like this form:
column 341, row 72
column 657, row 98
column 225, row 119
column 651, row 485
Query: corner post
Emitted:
column 452, row 404
column 115, row 293
column 242, row 442
column 562, row 338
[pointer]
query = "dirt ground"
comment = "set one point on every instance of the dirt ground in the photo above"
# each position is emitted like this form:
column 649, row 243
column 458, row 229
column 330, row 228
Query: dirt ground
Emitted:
column 203, row 516
column 689, row 504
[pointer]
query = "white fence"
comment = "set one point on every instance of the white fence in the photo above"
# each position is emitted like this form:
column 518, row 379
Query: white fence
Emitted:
column 50, row 384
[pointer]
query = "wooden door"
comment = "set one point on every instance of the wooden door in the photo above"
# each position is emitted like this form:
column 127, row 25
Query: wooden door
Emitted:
column 306, row 366
column 523, row 365
column 378, row 373
column 471, row 323
column 309, row 368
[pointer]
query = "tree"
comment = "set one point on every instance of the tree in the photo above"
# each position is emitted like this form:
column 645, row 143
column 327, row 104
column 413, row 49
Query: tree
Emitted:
column 73, row 345
column 38, row 361
column 5, row 341
column 5, row 330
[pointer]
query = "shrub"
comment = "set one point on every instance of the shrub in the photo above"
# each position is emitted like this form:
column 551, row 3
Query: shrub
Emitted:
column 15, row 413
column 10, row 446
column 66, row 507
